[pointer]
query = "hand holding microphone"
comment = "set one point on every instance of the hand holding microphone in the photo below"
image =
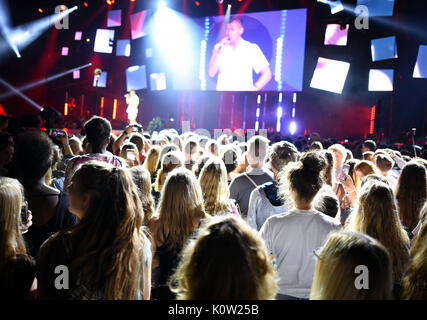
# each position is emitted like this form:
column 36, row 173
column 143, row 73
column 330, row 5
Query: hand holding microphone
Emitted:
column 224, row 42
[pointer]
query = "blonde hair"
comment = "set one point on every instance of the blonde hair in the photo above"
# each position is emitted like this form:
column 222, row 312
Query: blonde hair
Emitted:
column 129, row 146
column 170, row 161
column 335, row 277
column 213, row 181
column 376, row 215
column 108, row 242
column 415, row 281
column 151, row 163
column 366, row 167
column 141, row 178
column 181, row 203
column 227, row 261
column 11, row 200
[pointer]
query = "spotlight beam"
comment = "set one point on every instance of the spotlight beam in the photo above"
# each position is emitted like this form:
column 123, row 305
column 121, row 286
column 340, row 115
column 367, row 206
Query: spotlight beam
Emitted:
column 43, row 81
column 23, row 96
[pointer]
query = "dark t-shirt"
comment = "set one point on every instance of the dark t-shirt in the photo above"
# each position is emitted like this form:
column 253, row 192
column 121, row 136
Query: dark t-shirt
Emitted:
column 16, row 277
column 61, row 219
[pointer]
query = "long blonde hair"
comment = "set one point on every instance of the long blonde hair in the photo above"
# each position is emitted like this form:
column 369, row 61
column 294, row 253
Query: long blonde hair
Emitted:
column 141, row 178
column 170, row 161
column 11, row 200
column 151, row 163
column 415, row 281
column 227, row 261
column 335, row 273
column 376, row 215
column 180, row 206
column 108, row 242
column 213, row 181
column 366, row 167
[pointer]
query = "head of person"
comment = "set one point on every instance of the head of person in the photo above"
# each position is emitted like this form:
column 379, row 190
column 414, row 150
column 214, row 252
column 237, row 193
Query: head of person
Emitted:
column 98, row 132
column 191, row 150
column 361, row 170
column 152, row 161
column 129, row 151
column 415, row 280
column 170, row 161
column 230, row 159
column 200, row 163
column 234, row 31
column 369, row 145
column 316, row 145
column 227, row 261
column 176, row 140
column 180, row 206
column 111, row 217
column 257, row 151
column 302, row 180
column 142, row 179
column 212, row 147
column 326, row 201
column 168, row 148
column 33, row 156
column 213, row 181
column 329, row 171
column 411, row 192
column 281, row 153
column 138, row 140
column 368, row 155
column 6, row 148
column 76, row 145
column 343, row 254
column 376, row 215
column 340, row 154
column 384, row 163
column 11, row 202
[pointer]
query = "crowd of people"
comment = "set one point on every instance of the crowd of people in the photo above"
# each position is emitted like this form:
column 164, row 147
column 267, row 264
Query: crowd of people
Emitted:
column 165, row 215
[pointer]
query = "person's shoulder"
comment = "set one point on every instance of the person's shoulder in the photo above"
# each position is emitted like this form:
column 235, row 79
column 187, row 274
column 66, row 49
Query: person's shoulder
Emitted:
column 327, row 220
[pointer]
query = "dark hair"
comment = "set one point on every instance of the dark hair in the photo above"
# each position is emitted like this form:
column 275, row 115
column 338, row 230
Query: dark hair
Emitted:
column 384, row 162
column 98, row 130
column 281, row 153
column 370, row 144
column 327, row 202
column 304, row 177
column 33, row 156
column 5, row 140
column 229, row 157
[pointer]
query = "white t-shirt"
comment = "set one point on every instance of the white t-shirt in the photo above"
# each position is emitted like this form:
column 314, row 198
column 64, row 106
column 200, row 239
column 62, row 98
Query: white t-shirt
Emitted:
column 236, row 65
column 291, row 238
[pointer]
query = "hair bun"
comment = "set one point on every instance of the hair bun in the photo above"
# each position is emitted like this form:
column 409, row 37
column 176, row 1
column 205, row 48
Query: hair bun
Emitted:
column 313, row 161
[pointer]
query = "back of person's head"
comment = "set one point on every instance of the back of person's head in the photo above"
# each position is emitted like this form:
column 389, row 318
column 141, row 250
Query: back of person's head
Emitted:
column 370, row 144
column 203, row 140
column 230, row 159
column 168, row 148
column 176, row 140
column 191, row 147
column 181, row 203
column 362, row 169
column 368, row 155
column 411, row 192
column 129, row 147
column 281, row 153
column 302, row 180
column 142, row 179
column 316, row 145
column 200, row 163
column 342, row 258
column 138, row 140
column 376, row 214
column 329, row 171
column 327, row 202
column 76, row 145
column 227, row 261
column 152, row 161
column 415, row 281
column 384, row 162
column 257, row 150
column 212, row 147
column 11, row 201
column 33, row 156
column 170, row 161
column 372, row 178
column 340, row 153
column 213, row 181
column 108, row 241
column 98, row 131
column 223, row 140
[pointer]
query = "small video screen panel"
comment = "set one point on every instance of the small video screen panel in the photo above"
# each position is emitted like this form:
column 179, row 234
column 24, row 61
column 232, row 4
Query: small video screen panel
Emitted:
column 330, row 75
column 381, row 80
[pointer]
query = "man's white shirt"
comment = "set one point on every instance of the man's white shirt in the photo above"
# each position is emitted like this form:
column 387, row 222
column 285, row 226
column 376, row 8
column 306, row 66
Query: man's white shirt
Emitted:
column 236, row 65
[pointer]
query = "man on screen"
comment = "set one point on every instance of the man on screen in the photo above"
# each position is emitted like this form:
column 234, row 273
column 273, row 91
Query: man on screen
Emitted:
column 235, row 58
